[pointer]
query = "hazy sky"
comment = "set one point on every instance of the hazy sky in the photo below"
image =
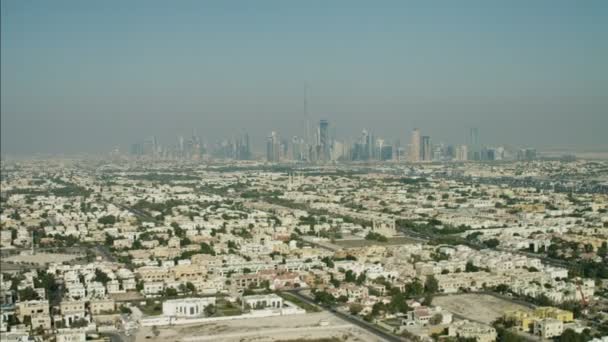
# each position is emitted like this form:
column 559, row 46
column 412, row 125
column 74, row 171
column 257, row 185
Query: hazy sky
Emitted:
column 90, row 75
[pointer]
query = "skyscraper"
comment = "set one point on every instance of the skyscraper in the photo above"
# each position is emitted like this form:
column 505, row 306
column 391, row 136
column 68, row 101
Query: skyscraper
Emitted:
column 273, row 148
column 426, row 150
column 462, row 153
column 414, row 155
column 324, row 142
column 474, row 144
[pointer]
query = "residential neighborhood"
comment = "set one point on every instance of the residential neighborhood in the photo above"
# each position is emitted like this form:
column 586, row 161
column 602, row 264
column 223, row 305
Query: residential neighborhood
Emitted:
column 133, row 250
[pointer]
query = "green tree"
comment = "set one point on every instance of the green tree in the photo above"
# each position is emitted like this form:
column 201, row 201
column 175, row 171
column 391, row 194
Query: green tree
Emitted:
column 209, row 310
column 108, row 219
column 101, row 276
column 431, row 285
column 436, row 319
column 190, row 287
column 361, row 279
column 324, row 298
column 177, row 230
column 570, row 335
column 469, row 267
column 79, row 323
column 170, row 292
column 414, row 289
column 49, row 283
column 492, row 243
column 206, row 249
column 398, row 303
column 355, row 308
column 603, row 250
column 328, row 262
column 350, row 277
column 28, row 293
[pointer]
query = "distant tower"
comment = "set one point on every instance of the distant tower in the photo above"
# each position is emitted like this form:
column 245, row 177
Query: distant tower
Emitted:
column 474, row 144
column 306, row 117
column 324, row 140
column 247, row 148
column 462, row 153
column 415, row 146
column 273, row 152
column 426, row 151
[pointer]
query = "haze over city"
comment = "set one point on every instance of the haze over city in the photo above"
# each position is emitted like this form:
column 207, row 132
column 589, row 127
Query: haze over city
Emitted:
column 303, row 171
column 91, row 76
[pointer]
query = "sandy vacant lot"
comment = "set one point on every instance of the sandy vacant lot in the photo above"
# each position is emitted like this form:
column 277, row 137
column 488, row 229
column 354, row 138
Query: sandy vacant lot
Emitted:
column 42, row 258
column 477, row 307
column 262, row 329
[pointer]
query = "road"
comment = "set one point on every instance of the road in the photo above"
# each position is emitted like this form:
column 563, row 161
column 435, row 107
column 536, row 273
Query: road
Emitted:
column 116, row 336
column 136, row 212
column 104, row 251
column 353, row 320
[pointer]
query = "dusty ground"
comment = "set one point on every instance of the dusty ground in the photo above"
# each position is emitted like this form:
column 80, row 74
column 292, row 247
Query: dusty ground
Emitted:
column 477, row 307
column 262, row 329
column 42, row 258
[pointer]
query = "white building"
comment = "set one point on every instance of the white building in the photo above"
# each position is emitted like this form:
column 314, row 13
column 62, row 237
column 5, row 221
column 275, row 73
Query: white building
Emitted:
column 76, row 290
column 70, row 335
column 548, row 327
column 187, row 307
column 153, row 288
column 466, row 329
column 262, row 301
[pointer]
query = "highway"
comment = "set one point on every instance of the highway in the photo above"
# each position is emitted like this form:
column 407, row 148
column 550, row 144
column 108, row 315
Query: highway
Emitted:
column 371, row 328
column 136, row 212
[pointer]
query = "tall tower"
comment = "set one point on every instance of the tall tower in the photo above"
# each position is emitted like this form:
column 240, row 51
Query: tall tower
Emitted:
column 247, row 148
column 273, row 151
column 324, row 140
column 306, row 120
column 426, row 149
column 415, row 146
column 474, row 144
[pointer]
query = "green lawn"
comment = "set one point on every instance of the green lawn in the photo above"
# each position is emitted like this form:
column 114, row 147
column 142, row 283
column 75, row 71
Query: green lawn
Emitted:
column 151, row 308
column 298, row 302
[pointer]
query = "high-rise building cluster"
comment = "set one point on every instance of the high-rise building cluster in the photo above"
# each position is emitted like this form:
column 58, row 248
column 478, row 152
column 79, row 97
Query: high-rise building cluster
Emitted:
column 322, row 147
column 193, row 148
column 421, row 149
column 150, row 147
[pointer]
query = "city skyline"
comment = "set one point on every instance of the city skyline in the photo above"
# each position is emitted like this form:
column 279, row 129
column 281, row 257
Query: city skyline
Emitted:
column 313, row 171
column 88, row 77
column 323, row 148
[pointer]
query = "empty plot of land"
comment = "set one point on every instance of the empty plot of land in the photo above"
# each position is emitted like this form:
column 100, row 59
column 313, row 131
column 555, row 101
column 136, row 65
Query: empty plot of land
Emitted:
column 477, row 307
column 262, row 329
column 42, row 258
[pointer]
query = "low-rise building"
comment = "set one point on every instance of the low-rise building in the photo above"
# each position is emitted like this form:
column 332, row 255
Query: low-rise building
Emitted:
column 548, row 327
column 257, row 302
column 71, row 335
column 153, row 288
column 478, row 331
column 72, row 310
column 99, row 306
column 31, row 308
column 187, row 307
